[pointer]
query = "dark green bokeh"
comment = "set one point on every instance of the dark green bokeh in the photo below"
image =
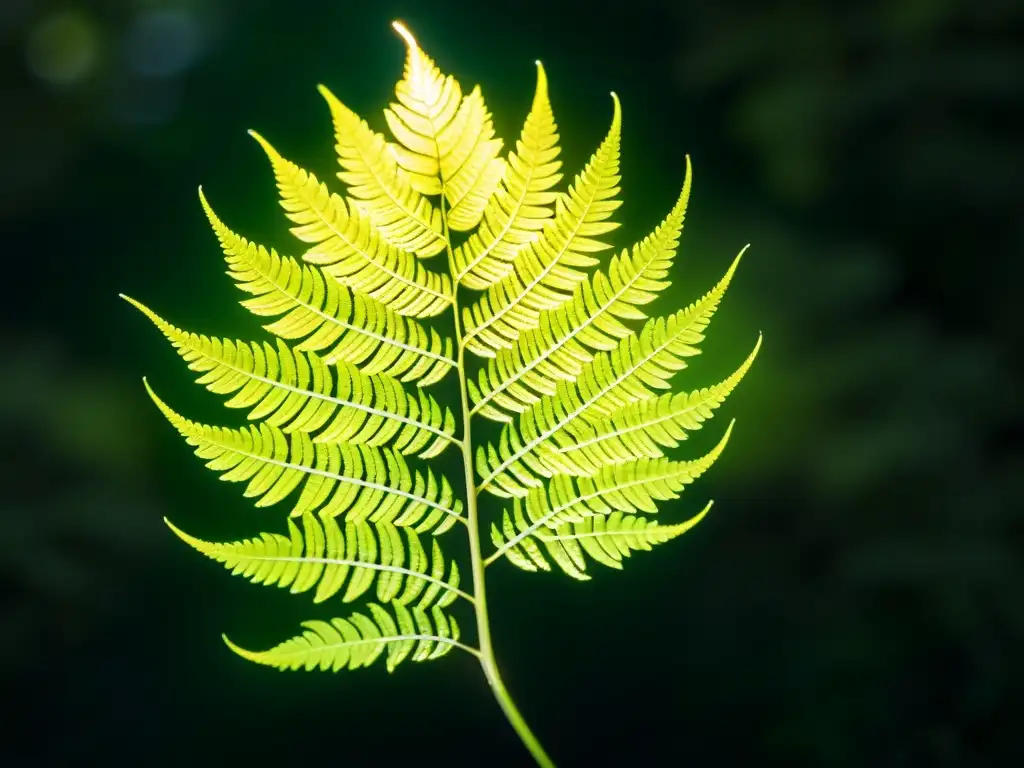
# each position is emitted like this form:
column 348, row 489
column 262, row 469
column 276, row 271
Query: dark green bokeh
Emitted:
column 854, row 597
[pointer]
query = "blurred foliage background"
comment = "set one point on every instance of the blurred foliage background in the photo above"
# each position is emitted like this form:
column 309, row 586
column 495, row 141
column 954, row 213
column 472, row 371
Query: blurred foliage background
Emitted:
column 855, row 597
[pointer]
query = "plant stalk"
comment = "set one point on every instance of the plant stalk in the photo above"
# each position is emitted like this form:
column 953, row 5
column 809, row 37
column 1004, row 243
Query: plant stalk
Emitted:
column 483, row 624
column 483, row 628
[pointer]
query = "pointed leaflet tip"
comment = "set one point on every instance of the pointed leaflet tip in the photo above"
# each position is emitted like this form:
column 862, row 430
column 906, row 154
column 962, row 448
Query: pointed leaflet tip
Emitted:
column 687, row 525
column 177, row 531
column 204, row 202
column 329, row 97
column 202, row 547
column 617, row 114
column 240, row 651
column 271, row 152
column 406, row 35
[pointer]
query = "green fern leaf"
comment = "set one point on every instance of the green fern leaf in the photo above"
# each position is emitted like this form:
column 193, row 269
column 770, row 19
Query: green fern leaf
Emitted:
column 299, row 392
column 561, row 344
column 521, row 206
column 445, row 141
column 327, row 315
column 550, row 266
column 369, row 484
column 606, row 538
column 642, row 428
column 353, row 248
column 359, row 640
column 556, row 345
column 610, row 381
column 381, row 189
column 634, row 486
column 326, row 555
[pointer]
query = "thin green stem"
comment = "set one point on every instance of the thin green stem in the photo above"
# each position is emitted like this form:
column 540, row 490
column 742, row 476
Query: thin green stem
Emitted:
column 483, row 625
column 487, row 660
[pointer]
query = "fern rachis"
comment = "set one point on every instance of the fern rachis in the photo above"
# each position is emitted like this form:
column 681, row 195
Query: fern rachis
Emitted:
column 337, row 429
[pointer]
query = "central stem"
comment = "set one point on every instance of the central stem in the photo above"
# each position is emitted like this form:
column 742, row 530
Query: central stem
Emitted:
column 483, row 627
column 483, row 624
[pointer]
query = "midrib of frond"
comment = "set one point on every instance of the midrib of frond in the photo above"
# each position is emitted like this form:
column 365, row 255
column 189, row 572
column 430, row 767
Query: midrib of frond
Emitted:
column 671, row 415
column 335, row 400
column 540, row 522
column 383, row 639
column 357, row 564
column 349, row 326
column 711, row 397
column 552, row 263
column 563, row 422
column 233, row 448
column 604, row 534
column 572, row 335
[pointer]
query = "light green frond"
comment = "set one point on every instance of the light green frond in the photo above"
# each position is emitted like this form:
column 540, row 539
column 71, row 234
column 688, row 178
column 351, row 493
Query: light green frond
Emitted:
column 644, row 427
column 633, row 486
column 533, row 447
column 366, row 484
column 608, row 539
column 563, row 342
column 381, row 189
column 518, row 209
column 360, row 639
column 636, row 486
column 547, row 270
column 329, row 556
column 446, row 141
column 350, row 326
column 297, row 391
column 476, row 169
column 350, row 245
column 571, row 366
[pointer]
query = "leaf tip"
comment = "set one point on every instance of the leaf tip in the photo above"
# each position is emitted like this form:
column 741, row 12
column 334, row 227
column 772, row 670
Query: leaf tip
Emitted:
column 250, row 655
column 404, row 33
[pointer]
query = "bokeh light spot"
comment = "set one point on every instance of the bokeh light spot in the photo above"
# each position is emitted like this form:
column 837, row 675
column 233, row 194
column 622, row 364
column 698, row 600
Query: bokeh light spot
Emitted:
column 63, row 48
column 163, row 43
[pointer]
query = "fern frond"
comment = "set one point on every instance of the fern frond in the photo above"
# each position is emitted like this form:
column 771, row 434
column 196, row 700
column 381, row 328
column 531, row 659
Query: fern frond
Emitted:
column 642, row 428
column 606, row 538
column 381, row 189
column 561, row 345
column 297, row 391
column 574, row 369
column 611, row 380
column 351, row 247
column 632, row 487
column 359, row 640
column 366, row 484
column 446, row 142
column 328, row 556
column 324, row 313
column 520, row 207
column 548, row 269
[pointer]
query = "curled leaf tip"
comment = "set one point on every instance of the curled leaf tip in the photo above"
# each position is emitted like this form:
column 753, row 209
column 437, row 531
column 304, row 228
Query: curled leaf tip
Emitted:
column 406, row 35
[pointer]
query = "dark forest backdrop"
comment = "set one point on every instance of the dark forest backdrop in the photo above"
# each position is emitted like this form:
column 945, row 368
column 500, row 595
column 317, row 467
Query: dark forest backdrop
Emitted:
column 855, row 597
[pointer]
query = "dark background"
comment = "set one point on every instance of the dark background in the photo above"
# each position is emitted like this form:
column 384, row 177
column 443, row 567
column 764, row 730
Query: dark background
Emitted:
column 855, row 597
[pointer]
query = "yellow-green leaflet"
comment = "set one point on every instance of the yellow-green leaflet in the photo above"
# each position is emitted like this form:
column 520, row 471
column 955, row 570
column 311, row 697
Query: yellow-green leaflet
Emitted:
column 448, row 279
